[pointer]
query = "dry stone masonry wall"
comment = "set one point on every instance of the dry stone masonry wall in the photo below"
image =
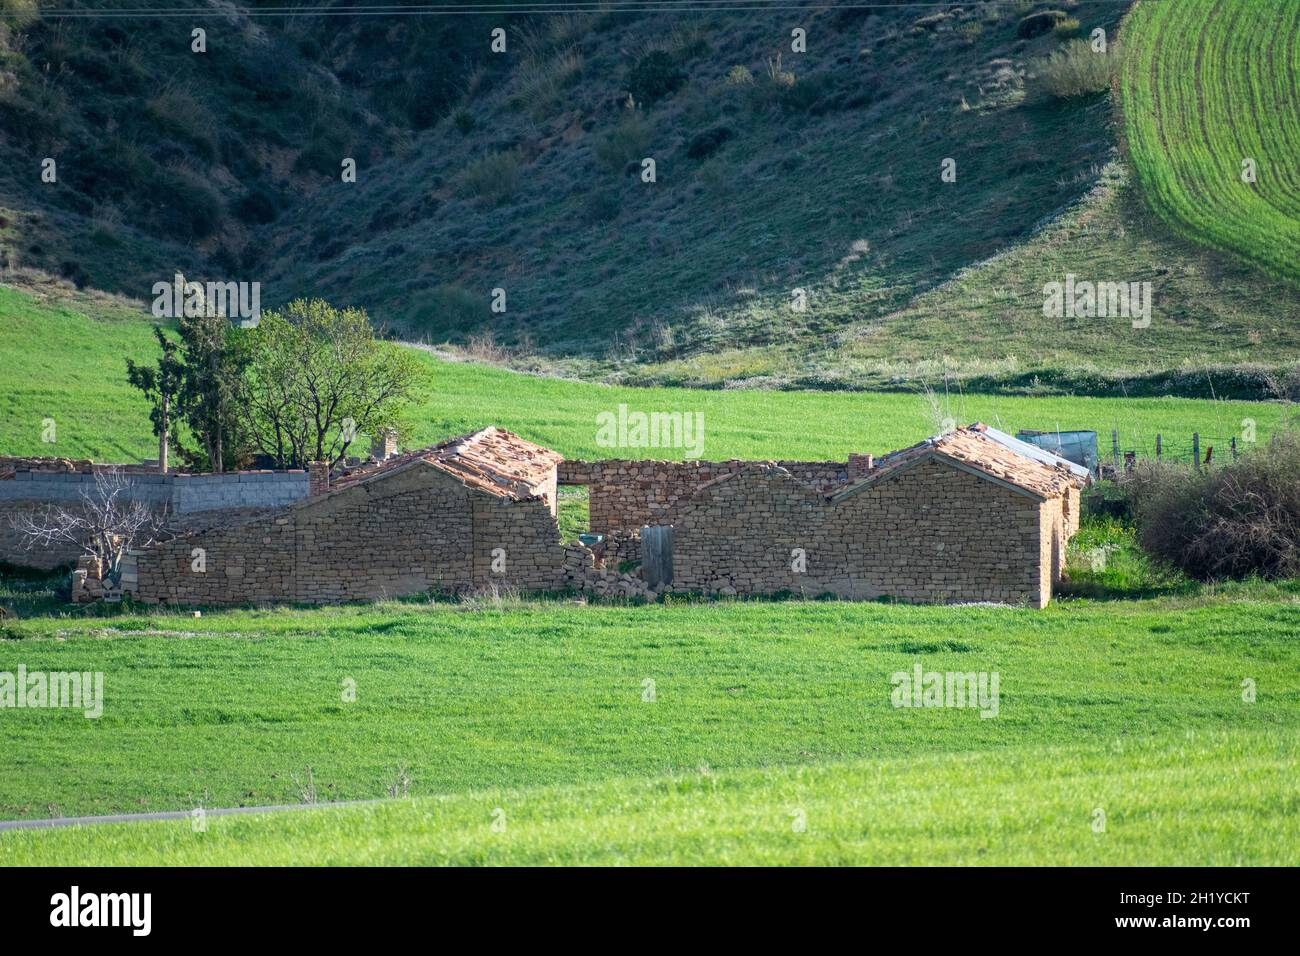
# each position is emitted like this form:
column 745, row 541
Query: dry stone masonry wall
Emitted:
column 631, row 494
column 933, row 533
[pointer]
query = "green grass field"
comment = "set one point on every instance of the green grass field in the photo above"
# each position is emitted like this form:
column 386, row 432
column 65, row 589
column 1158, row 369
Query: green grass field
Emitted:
column 760, row 709
column 65, row 361
column 1208, row 84
column 1199, row 799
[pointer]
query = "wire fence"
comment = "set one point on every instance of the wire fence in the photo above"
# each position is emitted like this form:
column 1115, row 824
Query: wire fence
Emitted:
column 1198, row 450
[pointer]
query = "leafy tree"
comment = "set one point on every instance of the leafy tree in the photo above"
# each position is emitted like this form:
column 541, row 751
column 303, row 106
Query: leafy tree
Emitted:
column 161, row 384
column 215, row 360
column 319, row 376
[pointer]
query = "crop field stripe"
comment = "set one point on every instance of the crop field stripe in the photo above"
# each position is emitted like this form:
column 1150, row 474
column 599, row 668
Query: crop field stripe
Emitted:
column 1206, row 84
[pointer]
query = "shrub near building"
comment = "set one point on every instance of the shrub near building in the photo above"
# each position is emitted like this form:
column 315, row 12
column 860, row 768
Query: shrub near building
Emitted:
column 1234, row 521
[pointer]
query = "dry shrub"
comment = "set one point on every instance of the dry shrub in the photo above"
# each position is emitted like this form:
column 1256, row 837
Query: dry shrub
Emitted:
column 1230, row 521
column 628, row 141
column 494, row 178
column 1078, row 70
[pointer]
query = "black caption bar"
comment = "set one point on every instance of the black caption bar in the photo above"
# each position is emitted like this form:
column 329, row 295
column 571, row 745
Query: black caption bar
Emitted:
column 334, row 906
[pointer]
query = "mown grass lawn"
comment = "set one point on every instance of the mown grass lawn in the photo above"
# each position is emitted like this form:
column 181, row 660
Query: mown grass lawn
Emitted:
column 59, row 363
column 1134, row 706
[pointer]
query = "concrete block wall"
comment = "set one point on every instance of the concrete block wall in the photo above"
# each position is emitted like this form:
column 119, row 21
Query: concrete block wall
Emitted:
column 179, row 494
column 30, row 486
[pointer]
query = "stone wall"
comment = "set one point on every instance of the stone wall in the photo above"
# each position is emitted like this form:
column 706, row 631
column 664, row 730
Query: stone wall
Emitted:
column 16, row 548
column 738, row 536
column 631, row 494
column 931, row 533
column 409, row 532
column 413, row 530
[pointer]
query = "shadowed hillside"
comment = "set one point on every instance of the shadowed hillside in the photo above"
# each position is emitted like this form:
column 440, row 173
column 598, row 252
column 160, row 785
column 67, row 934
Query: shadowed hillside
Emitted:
column 798, row 230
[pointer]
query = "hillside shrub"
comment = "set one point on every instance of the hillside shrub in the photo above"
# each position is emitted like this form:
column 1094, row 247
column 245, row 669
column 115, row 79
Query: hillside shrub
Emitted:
column 543, row 78
column 322, row 155
column 257, row 207
column 779, row 87
column 629, row 140
column 603, row 205
column 654, row 76
column 1037, row 24
column 451, row 308
column 1067, row 27
column 178, row 113
column 494, row 178
column 1078, row 70
column 704, row 144
column 184, row 206
column 464, row 121
column 1227, row 521
column 739, row 76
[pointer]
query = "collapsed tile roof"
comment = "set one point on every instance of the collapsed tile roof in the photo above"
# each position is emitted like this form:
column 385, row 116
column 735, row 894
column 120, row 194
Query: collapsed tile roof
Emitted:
column 972, row 449
column 491, row 459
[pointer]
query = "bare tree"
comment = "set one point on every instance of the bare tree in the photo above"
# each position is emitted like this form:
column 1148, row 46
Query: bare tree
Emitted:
column 106, row 524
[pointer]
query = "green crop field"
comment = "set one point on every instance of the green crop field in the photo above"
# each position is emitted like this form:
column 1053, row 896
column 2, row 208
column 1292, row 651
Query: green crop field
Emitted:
column 66, row 362
column 760, row 711
column 1207, row 85
column 1142, row 718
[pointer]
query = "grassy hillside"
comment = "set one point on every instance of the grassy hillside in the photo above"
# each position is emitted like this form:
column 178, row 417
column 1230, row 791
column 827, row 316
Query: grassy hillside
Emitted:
column 63, row 358
column 1132, row 706
column 775, row 171
column 167, row 157
column 1200, row 102
column 1218, row 327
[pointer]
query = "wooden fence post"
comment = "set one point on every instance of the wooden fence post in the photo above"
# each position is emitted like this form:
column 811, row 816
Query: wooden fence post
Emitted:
column 1196, row 449
column 1114, row 446
column 1234, row 447
column 1158, row 449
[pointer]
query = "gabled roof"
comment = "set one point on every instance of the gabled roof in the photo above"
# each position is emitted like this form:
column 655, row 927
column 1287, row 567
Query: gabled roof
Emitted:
column 972, row 449
column 491, row 459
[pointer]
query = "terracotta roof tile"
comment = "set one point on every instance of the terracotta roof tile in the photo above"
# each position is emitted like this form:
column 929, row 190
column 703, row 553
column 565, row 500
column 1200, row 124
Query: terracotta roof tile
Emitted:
column 492, row 460
column 969, row 446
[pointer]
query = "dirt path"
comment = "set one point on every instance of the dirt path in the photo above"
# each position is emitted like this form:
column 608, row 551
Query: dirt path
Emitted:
column 168, row 815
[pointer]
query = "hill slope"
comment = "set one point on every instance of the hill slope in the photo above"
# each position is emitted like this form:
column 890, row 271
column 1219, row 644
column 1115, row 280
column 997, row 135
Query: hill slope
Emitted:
column 775, row 171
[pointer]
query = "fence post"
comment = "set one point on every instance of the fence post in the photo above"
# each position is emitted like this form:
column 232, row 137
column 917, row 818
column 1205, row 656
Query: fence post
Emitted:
column 1196, row 449
column 1114, row 447
column 1234, row 447
column 1158, row 447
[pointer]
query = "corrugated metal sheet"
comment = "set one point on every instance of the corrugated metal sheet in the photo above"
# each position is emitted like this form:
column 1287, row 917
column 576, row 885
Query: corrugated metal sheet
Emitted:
column 1078, row 447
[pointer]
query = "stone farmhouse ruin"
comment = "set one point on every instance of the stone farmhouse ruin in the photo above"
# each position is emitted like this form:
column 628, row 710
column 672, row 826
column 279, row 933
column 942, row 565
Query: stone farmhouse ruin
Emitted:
column 970, row 515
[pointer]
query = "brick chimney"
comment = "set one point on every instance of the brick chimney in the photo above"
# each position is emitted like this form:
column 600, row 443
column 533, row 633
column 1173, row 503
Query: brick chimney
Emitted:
column 384, row 445
column 318, row 477
column 860, row 466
